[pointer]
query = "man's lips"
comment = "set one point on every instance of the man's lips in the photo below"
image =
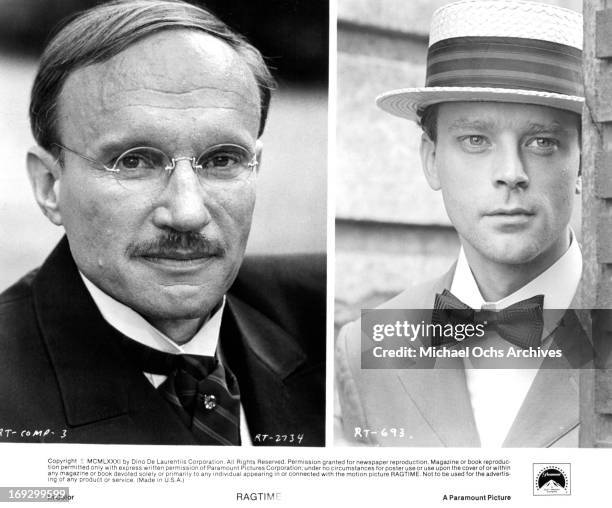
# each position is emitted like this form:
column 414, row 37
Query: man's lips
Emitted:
column 178, row 255
column 510, row 218
column 510, row 212
column 178, row 249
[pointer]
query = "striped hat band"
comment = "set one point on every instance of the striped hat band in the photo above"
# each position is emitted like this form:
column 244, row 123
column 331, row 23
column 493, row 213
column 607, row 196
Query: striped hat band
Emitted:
column 505, row 62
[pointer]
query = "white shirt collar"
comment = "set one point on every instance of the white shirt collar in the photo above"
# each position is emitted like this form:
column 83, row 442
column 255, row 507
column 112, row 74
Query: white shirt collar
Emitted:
column 133, row 325
column 493, row 414
column 558, row 283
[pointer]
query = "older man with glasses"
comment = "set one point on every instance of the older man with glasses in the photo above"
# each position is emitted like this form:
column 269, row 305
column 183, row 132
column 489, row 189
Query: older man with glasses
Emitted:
column 144, row 325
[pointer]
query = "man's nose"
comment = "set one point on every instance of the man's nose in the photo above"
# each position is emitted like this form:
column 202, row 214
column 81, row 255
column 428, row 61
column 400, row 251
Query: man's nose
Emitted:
column 510, row 167
column 183, row 203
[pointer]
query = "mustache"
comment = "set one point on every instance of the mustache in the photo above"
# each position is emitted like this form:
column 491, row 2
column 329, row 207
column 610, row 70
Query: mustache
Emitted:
column 173, row 242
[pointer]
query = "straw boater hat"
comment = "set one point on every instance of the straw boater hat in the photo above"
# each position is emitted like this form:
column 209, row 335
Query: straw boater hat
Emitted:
column 498, row 50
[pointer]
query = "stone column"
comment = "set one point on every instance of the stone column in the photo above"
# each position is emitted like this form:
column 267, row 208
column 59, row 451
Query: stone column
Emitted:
column 596, row 385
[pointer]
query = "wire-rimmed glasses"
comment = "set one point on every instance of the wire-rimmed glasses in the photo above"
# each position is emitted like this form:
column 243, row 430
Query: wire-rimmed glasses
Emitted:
column 145, row 165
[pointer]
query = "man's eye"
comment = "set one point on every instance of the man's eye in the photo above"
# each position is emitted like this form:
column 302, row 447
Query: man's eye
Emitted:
column 139, row 161
column 130, row 162
column 543, row 143
column 474, row 142
column 224, row 160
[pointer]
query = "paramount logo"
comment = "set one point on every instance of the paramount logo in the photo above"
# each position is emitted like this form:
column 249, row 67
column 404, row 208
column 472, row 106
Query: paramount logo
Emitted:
column 551, row 479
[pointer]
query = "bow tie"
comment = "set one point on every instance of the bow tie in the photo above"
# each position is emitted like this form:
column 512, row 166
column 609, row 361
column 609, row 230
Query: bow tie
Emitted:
column 520, row 324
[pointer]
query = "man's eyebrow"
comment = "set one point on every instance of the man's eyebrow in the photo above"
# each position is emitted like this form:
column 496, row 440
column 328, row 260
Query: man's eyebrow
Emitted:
column 471, row 124
column 475, row 124
column 552, row 128
column 118, row 144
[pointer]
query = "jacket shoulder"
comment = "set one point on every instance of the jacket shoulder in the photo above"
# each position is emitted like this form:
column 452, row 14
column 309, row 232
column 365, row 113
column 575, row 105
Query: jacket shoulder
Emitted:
column 275, row 285
column 355, row 385
column 287, row 272
column 24, row 365
column 348, row 344
column 290, row 291
column 347, row 359
column 19, row 290
column 18, row 323
column 421, row 296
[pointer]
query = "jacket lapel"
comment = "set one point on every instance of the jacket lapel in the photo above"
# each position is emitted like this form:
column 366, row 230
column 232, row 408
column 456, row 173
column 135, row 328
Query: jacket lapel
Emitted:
column 269, row 365
column 441, row 397
column 439, row 394
column 549, row 413
column 105, row 398
column 551, row 408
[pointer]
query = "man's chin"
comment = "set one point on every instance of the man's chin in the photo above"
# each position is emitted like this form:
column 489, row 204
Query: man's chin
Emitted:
column 511, row 254
column 173, row 312
column 178, row 302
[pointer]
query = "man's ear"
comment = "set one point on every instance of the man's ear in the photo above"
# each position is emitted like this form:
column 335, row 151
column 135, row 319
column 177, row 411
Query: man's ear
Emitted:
column 428, row 161
column 258, row 153
column 44, row 173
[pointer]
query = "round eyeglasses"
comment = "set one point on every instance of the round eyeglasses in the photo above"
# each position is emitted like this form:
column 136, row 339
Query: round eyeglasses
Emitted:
column 140, row 165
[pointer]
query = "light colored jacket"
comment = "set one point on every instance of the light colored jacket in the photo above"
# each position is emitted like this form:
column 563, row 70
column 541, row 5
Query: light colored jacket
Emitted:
column 431, row 408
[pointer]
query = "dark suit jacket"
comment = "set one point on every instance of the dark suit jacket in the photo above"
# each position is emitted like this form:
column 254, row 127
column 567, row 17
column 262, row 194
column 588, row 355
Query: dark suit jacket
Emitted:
column 432, row 407
column 62, row 371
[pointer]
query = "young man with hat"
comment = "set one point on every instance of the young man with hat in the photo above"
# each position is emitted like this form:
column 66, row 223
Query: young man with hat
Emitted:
column 500, row 114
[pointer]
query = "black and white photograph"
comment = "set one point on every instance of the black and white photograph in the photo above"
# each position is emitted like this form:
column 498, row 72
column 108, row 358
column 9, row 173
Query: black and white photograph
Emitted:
column 472, row 210
column 292, row 253
column 147, row 298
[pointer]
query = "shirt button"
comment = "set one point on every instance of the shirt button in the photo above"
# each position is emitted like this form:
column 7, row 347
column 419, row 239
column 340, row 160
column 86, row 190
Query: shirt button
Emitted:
column 208, row 401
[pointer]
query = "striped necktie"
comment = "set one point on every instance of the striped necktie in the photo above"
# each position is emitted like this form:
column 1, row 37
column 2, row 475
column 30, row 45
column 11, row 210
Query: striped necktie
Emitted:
column 200, row 389
column 206, row 397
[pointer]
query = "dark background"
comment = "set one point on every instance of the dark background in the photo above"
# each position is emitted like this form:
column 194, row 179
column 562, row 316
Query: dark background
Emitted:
column 291, row 34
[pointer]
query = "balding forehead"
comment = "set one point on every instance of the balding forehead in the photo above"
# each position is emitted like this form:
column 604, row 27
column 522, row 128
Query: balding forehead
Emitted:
column 174, row 68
